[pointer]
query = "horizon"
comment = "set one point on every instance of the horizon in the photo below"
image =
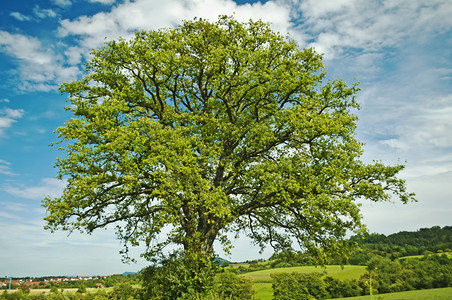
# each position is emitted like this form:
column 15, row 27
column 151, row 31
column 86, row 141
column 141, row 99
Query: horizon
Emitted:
column 65, row 276
column 137, row 272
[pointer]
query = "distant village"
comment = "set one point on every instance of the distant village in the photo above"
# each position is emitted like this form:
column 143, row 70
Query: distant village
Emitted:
column 44, row 282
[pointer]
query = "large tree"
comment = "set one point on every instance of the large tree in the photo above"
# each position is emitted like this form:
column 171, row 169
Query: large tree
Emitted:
column 186, row 135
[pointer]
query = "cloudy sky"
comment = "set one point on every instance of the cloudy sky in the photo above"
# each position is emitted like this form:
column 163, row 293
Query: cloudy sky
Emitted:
column 399, row 51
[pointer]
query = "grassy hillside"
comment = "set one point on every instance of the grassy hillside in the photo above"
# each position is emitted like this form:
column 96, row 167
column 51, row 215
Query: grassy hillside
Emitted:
column 348, row 272
column 402, row 244
column 262, row 279
column 448, row 254
column 432, row 294
column 264, row 292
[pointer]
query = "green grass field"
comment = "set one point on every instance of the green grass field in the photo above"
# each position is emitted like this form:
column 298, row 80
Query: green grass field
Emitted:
column 262, row 279
column 348, row 272
column 264, row 292
column 432, row 294
column 448, row 254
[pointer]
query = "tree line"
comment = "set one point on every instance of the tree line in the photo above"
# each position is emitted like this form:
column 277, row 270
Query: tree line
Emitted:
column 383, row 276
column 405, row 243
column 389, row 266
column 364, row 247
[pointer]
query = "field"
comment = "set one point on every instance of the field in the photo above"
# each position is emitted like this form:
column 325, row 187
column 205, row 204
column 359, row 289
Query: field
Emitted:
column 448, row 254
column 263, row 286
column 264, row 292
column 262, row 279
column 432, row 294
column 348, row 272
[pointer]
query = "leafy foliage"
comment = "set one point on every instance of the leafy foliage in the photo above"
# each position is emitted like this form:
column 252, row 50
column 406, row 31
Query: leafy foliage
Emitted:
column 178, row 277
column 383, row 276
column 124, row 291
column 227, row 285
column 288, row 286
column 411, row 274
column 209, row 129
column 342, row 288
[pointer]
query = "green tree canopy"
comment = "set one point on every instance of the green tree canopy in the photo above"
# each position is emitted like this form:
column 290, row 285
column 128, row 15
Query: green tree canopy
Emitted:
column 182, row 136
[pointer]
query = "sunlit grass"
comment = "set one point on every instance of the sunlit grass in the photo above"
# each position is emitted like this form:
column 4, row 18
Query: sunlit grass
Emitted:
column 347, row 272
column 431, row 294
column 262, row 279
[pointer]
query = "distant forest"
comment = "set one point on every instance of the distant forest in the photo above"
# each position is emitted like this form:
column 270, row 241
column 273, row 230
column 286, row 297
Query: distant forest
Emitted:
column 405, row 243
column 402, row 261
column 398, row 245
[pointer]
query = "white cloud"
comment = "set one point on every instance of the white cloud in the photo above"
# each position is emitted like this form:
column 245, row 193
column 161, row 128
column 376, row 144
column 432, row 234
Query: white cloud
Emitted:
column 331, row 26
column 103, row 1
column 434, row 127
column 5, row 168
column 13, row 211
column 48, row 187
column 9, row 116
column 320, row 9
column 40, row 13
column 5, row 122
column 19, row 16
column 370, row 25
column 426, row 128
column 128, row 17
column 12, row 113
column 43, row 13
column 62, row 3
column 39, row 67
column 74, row 55
column 14, row 207
column 410, row 122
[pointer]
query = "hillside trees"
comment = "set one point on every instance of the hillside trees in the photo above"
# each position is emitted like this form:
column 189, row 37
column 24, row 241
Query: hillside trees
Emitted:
column 183, row 136
column 405, row 243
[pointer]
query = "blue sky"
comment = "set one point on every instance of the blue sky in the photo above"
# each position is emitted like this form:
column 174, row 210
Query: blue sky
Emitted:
column 399, row 51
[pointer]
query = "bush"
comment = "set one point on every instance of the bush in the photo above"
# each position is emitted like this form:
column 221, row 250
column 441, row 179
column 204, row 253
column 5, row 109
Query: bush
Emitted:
column 288, row 286
column 339, row 289
column 178, row 277
column 54, row 290
column 123, row 291
column 81, row 288
column 227, row 285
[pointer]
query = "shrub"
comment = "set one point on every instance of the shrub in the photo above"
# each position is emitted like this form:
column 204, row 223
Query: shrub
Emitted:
column 123, row 291
column 338, row 289
column 178, row 277
column 288, row 286
column 227, row 285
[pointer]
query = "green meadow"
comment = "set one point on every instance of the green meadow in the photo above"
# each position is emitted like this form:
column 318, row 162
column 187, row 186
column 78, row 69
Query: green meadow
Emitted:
column 262, row 278
column 338, row 272
column 448, row 254
column 431, row 294
column 264, row 292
